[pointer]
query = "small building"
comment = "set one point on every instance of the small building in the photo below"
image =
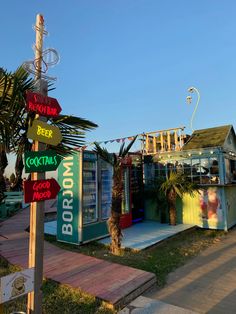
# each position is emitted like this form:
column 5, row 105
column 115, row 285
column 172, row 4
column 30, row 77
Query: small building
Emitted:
column 208, row 158
column 85, row 198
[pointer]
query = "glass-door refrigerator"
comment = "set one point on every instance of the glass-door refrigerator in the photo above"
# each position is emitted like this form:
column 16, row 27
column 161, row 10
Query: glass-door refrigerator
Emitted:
column 106, row 189
column 90, row 188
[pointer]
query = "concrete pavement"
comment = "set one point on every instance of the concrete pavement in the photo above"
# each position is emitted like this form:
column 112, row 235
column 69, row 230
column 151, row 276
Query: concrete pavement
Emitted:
column 206, row 284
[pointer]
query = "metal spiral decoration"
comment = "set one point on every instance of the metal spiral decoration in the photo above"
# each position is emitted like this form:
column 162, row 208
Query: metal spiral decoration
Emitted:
column 49, row 58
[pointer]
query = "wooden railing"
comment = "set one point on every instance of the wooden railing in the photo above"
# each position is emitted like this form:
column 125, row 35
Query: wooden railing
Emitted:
column 163, row 141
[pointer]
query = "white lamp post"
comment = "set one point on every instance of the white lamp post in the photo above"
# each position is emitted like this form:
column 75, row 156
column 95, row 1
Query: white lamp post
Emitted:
column 189, row 100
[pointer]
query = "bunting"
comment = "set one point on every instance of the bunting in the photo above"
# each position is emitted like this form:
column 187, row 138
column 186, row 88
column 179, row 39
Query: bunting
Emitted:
column 118, row 140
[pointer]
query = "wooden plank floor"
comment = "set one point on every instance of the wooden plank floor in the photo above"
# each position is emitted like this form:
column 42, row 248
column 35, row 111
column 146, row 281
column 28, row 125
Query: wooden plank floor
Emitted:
column 114, row 283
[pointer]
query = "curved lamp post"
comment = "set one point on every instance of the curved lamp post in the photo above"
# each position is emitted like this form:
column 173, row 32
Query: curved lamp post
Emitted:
column 189, row 100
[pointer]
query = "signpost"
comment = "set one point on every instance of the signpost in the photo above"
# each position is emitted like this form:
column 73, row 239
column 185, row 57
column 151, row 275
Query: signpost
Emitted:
column 17, row 284
column 45, row 133
column 40, row 190
column 41, row 161
column 43, row 105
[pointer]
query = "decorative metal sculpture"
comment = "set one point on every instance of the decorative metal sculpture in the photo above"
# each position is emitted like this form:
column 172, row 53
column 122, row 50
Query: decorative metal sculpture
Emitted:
column 50, row 57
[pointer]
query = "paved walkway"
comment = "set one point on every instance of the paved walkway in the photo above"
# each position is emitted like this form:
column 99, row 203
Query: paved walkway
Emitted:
column 116, row 284
column 207, row 284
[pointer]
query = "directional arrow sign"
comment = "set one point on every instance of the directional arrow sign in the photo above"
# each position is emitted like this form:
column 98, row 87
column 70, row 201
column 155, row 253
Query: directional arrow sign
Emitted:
column 40, row 190
column 45, row 133
column 41, row 161
column 43, row 105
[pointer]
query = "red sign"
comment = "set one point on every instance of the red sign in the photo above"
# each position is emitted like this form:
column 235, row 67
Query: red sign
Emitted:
column 40, row 190
column 43, row 105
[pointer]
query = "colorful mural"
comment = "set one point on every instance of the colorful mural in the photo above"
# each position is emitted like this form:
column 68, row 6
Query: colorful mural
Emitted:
column 211, row 206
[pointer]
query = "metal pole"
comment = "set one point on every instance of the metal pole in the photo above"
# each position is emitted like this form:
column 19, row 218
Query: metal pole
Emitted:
column 191, row 90
column 36, row 243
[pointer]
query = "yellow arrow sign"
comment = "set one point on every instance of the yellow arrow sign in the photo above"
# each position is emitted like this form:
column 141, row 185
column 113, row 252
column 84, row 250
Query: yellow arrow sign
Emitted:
column 45, row 133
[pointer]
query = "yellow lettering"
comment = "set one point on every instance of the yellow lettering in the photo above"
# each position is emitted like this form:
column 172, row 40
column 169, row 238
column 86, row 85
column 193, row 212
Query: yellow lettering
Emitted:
column 44, row 132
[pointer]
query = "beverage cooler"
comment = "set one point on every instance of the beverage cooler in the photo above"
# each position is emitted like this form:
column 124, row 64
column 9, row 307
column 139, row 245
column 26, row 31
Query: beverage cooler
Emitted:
column 84, row 202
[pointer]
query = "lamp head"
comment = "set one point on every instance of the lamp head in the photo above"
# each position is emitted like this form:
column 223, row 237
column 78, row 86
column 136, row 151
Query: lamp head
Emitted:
column 191, row 89
column 189, row 99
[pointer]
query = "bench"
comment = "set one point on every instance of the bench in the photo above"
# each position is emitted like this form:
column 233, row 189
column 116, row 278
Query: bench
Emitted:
column 12, row 202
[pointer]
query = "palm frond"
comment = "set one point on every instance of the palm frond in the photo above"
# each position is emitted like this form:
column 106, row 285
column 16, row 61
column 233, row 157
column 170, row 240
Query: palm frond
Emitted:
column 180, row 183
column 126, row 149
column 73, row 122
column 104, row 154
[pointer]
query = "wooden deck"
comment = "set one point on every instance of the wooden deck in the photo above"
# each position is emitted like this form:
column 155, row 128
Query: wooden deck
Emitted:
column 121, row 285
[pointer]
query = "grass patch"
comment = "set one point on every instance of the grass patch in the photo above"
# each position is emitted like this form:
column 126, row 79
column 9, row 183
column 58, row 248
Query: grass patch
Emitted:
column 56, row 298
column 160, row 259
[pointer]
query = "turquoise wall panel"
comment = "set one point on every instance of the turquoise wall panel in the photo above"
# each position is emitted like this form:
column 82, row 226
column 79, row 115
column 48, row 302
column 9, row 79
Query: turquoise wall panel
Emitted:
column 94, row 231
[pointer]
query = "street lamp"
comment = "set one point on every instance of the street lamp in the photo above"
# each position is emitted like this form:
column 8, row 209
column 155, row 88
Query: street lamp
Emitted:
column 189, row 100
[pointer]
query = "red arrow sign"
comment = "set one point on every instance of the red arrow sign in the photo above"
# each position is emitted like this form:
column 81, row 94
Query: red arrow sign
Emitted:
column 43, row 105
column 40, row 190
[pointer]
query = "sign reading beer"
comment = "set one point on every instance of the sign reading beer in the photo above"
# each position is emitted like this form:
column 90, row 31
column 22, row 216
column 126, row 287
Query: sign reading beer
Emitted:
column 40, row 190
column 41, row 161
column 43, row 105
column 45, row 133
column 17, row 284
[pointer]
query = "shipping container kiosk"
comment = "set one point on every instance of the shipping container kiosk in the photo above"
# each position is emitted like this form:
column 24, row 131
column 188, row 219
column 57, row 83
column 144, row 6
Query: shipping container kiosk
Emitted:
column 84, row 202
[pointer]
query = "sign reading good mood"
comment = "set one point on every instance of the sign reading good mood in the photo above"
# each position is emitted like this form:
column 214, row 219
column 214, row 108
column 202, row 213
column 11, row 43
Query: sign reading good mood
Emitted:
column 40, row 190
column 41, row 161
column 45, row 133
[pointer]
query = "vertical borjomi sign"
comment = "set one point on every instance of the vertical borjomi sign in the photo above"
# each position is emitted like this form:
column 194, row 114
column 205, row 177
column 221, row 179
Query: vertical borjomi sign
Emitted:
column 68, row 200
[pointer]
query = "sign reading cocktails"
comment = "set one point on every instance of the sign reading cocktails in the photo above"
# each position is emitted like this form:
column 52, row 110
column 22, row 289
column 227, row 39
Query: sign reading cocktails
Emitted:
column 40, row 190
column 42, row 105
column 45, row 133
column 41, row 161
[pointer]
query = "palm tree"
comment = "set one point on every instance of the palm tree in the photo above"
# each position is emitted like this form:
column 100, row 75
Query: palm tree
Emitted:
column 176, row 184
column 116, row 160
column 15, row 120
column 12, row 108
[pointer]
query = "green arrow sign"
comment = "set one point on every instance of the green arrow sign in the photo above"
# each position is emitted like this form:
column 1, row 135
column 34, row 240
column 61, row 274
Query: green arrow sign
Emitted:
column 41, row 161
column 45, row 133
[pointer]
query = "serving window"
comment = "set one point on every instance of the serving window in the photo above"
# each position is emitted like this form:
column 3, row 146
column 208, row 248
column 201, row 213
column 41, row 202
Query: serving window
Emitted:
column 200, row 170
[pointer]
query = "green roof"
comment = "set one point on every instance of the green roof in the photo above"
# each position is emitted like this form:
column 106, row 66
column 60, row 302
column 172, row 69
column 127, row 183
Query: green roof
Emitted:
column 212, row 137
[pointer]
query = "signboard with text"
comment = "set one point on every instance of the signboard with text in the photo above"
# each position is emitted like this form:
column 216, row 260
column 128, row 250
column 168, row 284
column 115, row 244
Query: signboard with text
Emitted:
column 42, row 105
column 41, row 161
column 45, row 133
column 40, row 190
column 17, row 284
column 68, row 200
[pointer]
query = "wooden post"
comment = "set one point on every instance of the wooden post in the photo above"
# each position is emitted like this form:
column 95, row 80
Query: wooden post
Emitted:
column 147, row 143
column 1, row 309
column 154, row 144
column 162, row 141
column 176, row 141
column 168, row 140
column 36, row 243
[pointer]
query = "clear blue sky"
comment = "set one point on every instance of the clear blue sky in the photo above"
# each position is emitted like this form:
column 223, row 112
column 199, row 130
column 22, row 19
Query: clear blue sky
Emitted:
column 127, row 64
